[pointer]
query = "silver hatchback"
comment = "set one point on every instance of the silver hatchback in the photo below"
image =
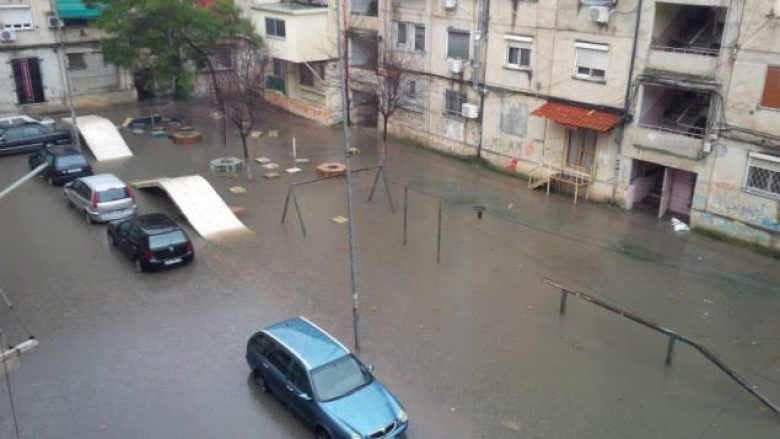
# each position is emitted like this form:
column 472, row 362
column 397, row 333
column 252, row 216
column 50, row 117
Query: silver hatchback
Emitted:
column 101, row 198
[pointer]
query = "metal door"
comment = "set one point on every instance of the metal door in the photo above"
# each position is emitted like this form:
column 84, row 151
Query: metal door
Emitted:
column 666, row 192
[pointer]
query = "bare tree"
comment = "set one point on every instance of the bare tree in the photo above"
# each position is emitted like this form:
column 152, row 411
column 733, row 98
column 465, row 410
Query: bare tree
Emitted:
column 242, row 89
column 394, row 87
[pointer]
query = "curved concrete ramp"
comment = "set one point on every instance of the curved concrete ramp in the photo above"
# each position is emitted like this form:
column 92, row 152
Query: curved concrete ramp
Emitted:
column 200, row 203
column 102, row 137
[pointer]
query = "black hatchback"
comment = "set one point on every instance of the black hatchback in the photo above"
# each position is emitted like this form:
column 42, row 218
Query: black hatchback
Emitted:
column 152, row 241
column 65, row 164
column 27, row 137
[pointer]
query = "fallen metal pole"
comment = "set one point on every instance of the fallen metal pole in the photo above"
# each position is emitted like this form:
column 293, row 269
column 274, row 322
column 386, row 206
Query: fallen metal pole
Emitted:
column 21, row 348
column 673, row 336
column 23, row 180
column 406, row 210
column 438, row 237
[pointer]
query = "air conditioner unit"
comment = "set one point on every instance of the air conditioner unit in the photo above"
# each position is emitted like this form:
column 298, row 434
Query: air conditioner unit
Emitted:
column 450, row 4
column 599, row 14
column 469, row 111
column 54, row 22
column 7, row 35
column 455, row 65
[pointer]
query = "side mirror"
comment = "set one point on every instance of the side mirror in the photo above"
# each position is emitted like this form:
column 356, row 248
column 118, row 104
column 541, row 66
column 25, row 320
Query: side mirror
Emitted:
column 370, row 368
column 304, row 397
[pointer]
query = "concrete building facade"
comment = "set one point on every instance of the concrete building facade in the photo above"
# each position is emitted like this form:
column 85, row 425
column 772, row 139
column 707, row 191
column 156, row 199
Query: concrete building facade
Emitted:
column 35, row 61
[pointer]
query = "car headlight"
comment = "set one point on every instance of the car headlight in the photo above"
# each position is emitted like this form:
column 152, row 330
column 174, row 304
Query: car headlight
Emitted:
column 402, row 416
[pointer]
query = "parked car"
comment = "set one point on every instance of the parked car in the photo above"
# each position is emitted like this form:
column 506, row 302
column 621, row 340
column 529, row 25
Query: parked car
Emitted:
column 318, row 379
column 151, row 241
column 65, row 164
column 27, row 137
column 17, row 119
column 101, row 198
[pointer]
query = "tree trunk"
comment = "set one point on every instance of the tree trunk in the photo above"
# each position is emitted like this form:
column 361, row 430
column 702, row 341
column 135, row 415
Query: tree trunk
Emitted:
column 246, row 155
column 384, row 138
column 217, row 90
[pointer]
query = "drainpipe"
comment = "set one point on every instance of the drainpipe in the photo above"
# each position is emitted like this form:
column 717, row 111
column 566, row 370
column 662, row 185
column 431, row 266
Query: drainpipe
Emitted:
column 626, row 102
column 482, row 30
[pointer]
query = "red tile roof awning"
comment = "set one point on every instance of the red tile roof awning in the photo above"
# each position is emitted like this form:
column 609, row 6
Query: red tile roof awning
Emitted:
column 572, row 115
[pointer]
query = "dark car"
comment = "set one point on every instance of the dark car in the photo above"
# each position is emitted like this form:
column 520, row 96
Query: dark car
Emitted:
column 318, row 379
column 152, row 241
column 28, row 137
column 65, row 164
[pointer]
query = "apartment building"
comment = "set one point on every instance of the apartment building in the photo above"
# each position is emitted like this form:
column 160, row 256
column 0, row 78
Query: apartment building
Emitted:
column 300, row 37
column 31, row 53
column 667, row 107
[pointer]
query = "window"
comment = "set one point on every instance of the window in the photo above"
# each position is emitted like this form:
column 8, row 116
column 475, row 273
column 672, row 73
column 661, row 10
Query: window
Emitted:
column 275, row 28
column 307, row 77
column 409, row 36
column 299, row 378
column 419, row 38
column 261, row 344
column 771, row 96
column 176, row 237
column 279, row 68
column 13, row 134
column 455, row 101
column 458, row 44
column 339, row 377
column 32, row 131
column 76, row 61
column 518, row 51
column 223, row 59
column 27, row 79
column 763, row 175
column 582, row 148
column 280, row 360
column 16, row 17
column 591, row 61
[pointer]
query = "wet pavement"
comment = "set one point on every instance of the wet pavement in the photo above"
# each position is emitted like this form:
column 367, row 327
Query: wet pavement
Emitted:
column 473, row 345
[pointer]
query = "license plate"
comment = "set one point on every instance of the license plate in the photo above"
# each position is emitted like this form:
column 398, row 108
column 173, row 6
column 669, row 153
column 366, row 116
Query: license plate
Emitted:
column 172, row 261
column 73, row 171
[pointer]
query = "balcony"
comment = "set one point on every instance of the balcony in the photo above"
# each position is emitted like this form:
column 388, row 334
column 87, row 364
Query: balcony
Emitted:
column 673, row 120
column 295, row 32
column 687, row 39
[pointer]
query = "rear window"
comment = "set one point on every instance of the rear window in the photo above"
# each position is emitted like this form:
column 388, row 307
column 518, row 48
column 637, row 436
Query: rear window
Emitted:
column 113, row 194
column 71, row 160
column 166, row 239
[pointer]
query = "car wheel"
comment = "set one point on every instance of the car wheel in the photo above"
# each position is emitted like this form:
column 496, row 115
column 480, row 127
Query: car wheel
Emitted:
column 322, row 434
column 139, row 267
column 259, row 381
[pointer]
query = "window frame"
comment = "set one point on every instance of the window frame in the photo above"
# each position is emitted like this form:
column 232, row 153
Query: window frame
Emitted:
column 82, row 61
column 462, row 98
column 417, row 27
column 467, row 33
column 275, row 34
column 521, row 43
column 595, row 47
column 23, row 26
column 761, row 104
column 755, row 156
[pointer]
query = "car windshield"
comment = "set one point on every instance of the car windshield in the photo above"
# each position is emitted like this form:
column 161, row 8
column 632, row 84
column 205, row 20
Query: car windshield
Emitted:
column 71, row 160
column 113, row 194
column 163, row 240
column 339, row 378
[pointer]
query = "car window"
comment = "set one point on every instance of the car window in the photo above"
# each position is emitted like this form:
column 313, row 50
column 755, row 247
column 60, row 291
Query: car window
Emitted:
column 135, row 235
column 280, row 360
column 261, row 344
column 123, row 227
column 71, row 160
column 299, row 378
column 31, row 131
column 167, row 239
column 13, row 134
column 112, row 194
column 49, row 159
column 339, row 377
column 85, row 191
column 76, row 186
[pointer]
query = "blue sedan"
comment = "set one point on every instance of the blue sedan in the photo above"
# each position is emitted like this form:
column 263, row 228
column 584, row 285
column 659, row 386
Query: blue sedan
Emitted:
column 319, row 380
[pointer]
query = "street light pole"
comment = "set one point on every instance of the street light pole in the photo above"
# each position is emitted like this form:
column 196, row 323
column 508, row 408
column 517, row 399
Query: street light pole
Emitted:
column 350, row 214
column 65, row 75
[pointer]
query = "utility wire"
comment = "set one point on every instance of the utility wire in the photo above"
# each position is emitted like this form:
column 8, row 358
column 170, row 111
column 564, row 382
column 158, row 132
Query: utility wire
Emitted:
column 8, row 386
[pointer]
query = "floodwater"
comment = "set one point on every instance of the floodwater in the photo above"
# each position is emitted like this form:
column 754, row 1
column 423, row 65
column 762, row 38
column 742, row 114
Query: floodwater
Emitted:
column 472, row 345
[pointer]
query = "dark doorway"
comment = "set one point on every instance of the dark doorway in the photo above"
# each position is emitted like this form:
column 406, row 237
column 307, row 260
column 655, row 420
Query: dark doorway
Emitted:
column 661, row 189
column 28, row 81
column 143, row 79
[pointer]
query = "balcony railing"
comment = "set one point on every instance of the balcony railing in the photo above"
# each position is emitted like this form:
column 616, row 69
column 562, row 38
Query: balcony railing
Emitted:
column 687, row 50
column 689, row 131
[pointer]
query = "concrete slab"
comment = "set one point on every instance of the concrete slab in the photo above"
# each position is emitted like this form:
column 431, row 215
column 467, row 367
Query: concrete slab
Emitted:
column 102, row 137
column 200, row 203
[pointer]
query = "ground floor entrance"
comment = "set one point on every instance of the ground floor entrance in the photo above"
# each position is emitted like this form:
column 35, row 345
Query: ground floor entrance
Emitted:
column 660, row 189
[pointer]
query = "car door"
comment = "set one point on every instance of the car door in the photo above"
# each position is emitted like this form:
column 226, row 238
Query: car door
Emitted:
column 300, row 393
column 121, row 236
column 34, row 136
column 12, row 139
column 73, row 192
column 135, row 239
column 257, row 349
column 276, row 367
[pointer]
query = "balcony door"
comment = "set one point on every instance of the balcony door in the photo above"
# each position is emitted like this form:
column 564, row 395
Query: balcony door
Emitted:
column 581, row 148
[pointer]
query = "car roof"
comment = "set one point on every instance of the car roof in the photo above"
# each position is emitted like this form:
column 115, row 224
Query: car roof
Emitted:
column 99, row 182
column 154, row 223
column 307, row 341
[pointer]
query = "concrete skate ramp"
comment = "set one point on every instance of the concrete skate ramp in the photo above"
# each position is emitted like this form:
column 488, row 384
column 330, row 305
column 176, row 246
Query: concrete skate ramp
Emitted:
column 102, row 137
column 200, row 203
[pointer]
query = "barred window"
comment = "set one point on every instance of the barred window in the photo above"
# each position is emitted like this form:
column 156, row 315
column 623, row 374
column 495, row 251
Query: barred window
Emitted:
column 763, row 175
column 454, row 102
